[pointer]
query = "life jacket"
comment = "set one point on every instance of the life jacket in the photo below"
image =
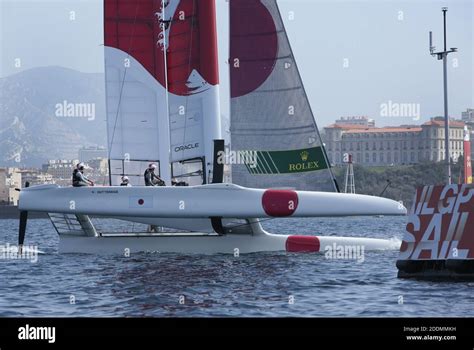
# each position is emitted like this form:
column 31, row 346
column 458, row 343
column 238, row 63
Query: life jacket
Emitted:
column 148, row 178
column 76, row 179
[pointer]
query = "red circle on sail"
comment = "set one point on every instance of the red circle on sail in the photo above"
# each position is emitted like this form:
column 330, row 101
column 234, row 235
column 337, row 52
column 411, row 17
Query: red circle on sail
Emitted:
column 254, row 46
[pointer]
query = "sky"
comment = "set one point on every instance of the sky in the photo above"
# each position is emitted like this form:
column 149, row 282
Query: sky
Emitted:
column 354, row 56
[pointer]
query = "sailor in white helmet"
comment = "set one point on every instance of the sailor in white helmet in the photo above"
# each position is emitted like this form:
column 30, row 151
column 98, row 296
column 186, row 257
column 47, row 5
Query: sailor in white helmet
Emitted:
column 125, row 181
column 78, row 177
column 151, row 179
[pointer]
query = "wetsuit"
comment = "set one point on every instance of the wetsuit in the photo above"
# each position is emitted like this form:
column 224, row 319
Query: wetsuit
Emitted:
column 79, row 179
column 150, row 176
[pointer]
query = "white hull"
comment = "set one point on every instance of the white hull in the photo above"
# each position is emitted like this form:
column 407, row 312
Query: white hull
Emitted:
column 220, row 200
column 213, row 244
column 203, row 210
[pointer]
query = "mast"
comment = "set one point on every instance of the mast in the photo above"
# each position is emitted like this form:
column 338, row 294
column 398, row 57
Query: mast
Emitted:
column 211, row 103
column 443, row 55
column 164, row 129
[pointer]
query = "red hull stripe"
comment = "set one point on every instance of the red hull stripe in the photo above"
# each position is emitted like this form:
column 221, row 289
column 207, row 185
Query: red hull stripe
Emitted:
column 279, row 203
column 302, row 244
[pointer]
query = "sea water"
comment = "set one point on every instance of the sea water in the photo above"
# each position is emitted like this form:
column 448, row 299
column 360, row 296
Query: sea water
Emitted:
column 259, row 284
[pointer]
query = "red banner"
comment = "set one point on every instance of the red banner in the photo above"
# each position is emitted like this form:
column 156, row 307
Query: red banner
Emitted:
column 441, row 224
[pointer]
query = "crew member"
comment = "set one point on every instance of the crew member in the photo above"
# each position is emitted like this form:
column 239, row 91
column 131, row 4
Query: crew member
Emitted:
column 175, row 182
column 151, row 179
column 125, row 181
column 78, row 177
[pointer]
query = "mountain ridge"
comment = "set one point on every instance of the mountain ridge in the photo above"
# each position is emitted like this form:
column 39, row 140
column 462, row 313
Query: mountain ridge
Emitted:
column 31, row 130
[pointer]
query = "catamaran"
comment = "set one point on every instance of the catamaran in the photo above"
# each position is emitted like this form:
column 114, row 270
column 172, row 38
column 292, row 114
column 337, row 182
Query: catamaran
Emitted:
column 162, row 84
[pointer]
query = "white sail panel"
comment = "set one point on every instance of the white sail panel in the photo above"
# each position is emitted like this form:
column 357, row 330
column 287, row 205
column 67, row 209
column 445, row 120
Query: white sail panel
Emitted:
column 161, row 66
column 192, row 78
column 194, row 124
column 134, row 107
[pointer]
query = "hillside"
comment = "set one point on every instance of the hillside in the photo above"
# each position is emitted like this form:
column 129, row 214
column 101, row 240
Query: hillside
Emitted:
column 29, row 122
column 403, row 179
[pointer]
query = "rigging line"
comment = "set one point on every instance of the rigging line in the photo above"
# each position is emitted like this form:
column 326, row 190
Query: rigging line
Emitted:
column 166, row 44
column 193, row 173
column 123, row 81
column 193, row 15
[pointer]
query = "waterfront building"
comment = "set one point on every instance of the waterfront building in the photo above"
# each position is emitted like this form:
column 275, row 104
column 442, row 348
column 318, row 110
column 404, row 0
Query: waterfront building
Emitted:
column 393, row 145
column 10, row 179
